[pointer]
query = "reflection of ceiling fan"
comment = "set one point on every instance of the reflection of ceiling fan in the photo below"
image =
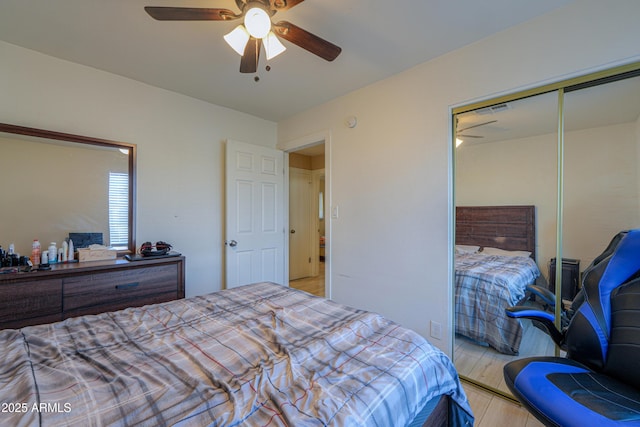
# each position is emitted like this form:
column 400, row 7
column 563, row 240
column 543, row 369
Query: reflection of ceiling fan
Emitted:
column 459, row 133
column 257, row 29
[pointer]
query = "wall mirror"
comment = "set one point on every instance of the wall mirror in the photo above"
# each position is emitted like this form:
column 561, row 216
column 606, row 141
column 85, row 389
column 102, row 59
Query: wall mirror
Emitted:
column 568, row 156
column 57, row 183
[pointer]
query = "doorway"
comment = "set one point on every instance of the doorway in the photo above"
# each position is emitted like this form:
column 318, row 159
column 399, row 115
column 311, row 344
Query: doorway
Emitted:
column 307, row 237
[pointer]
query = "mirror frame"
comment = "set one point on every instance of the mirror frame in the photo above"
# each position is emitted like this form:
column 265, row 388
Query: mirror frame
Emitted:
column 79, row 139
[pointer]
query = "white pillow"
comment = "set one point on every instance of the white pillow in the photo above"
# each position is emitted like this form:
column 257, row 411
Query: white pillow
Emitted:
column 467, row 249
column 502, row 252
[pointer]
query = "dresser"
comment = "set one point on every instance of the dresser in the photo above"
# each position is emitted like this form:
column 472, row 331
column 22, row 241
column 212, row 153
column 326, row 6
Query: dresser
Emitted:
column 69, row 290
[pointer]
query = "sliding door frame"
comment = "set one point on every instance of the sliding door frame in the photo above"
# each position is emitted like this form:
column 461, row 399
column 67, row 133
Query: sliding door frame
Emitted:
column 561, row 87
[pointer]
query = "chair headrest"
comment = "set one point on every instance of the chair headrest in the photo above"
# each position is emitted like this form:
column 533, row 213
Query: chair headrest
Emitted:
column 623, row 264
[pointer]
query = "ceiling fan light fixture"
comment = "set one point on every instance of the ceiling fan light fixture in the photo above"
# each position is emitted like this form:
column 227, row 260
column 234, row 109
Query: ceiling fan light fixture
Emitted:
column 256, row 30
column 272, row 45
column 238, row 39
column 258, row 22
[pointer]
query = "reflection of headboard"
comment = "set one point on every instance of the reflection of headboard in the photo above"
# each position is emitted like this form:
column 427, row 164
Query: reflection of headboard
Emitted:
column 506, row 227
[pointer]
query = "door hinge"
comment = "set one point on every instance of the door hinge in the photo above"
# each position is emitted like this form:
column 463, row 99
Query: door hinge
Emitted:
column 309, row 260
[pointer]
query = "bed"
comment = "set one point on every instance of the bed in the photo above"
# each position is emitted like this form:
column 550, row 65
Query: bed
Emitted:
column 494, row 262
column 261, row 354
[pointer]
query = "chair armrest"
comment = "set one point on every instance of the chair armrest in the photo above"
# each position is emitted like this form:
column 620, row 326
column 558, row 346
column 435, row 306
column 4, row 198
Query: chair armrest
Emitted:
column 545, row 294
column 544, row 317
column 523, row 311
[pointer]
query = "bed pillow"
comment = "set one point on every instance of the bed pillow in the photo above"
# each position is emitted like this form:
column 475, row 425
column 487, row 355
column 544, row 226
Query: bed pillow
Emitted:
column 467, row 249
column 502, row 252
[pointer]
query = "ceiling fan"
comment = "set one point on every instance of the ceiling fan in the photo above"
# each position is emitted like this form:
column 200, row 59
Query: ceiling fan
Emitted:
column 258, row 30
column 459, row 133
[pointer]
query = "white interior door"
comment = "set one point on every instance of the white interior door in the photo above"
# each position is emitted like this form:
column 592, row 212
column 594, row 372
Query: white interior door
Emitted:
column 300, row 226
column 255, row 232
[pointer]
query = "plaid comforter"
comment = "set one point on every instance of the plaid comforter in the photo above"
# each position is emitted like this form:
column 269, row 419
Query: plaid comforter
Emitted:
column 485, row 286
column 257, row 355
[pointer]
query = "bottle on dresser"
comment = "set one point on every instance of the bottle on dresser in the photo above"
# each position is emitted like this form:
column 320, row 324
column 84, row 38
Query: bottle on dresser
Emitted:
column 53, row 253
column 70, row 256
column 36, row 252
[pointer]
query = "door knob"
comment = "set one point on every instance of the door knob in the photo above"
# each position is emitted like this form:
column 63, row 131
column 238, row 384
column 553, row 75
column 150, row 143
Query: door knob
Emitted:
column 233, row 243
column 293, row 231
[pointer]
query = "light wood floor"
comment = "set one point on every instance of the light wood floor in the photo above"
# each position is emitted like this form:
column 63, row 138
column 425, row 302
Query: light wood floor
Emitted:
column 484, row 364
column 313, row 285
column 494, row 411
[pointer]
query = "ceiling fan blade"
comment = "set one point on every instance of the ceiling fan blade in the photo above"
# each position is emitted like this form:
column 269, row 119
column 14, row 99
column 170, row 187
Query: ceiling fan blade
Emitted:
column 478, row 125
column 283, row 4
column 249, row 61
column 190, row 14
column 306, row 40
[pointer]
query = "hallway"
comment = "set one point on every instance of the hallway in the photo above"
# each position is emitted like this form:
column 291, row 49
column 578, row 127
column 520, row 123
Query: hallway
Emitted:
column 313, row 285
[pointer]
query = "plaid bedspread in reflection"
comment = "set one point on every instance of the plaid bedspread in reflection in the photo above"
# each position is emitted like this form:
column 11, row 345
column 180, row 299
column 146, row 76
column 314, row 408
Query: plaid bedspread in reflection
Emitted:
column 485, row 286
column 256, row 355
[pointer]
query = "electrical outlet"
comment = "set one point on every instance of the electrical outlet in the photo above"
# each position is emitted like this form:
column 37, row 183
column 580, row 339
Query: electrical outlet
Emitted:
column 436, row 330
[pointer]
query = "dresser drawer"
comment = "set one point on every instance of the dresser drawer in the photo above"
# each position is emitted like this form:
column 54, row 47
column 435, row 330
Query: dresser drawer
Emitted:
column 24, row 304
column 110, row 291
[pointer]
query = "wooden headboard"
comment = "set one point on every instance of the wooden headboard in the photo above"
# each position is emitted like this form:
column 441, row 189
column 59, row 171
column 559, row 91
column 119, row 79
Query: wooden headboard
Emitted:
column 511, row 228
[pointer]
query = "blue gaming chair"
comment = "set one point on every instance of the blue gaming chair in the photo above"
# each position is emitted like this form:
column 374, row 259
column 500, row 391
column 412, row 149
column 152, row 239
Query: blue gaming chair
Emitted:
column 598, row 383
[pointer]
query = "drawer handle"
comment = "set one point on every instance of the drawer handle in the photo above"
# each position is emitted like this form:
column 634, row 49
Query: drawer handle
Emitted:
column 128, row 286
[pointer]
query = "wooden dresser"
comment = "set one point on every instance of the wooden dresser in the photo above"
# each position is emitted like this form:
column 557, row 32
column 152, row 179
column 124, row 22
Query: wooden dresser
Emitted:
column 70, row 290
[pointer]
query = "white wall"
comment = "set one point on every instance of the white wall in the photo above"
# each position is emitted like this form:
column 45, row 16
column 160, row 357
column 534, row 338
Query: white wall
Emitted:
column 514, row 172
column 180, row 146
column 390, row 175
column 600, row 189
column 600, row 185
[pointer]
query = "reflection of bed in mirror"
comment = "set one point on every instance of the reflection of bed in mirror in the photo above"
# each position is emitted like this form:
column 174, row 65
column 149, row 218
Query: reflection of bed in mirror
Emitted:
column 495, row 261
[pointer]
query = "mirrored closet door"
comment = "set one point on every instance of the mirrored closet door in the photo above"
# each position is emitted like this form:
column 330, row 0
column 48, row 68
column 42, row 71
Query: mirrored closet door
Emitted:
column 542, row 178
column 506, row 166
column 601, row 172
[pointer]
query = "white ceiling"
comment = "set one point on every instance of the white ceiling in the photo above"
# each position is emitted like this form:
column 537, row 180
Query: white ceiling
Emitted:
column 378, row 39
column 603, row 105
